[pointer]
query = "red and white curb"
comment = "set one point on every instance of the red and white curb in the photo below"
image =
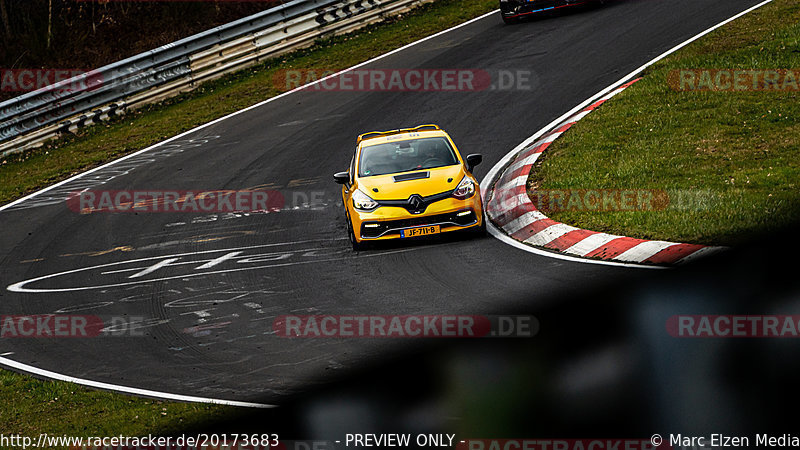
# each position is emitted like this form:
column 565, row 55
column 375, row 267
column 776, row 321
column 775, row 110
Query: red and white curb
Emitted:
column 512, row 211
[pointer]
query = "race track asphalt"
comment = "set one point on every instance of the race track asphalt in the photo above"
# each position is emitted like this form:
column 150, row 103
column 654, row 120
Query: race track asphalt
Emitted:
column 207, row 332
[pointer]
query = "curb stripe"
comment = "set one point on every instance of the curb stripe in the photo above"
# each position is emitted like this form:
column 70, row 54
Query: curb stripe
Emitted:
column 591, row 243
column 614, row 248
column 644, row 250
column 515, row 214
column 550, row 234
column 510, row 208
column 674, row 253
column 532, row 228
column 568, row 240
column 522, row 221
column 592, row 240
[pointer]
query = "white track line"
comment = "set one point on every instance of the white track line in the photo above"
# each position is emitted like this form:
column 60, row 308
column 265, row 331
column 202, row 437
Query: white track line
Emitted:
column 608, row 92
column 166, row 395
column 492, row 230
column 126, row 389
column 236, row 113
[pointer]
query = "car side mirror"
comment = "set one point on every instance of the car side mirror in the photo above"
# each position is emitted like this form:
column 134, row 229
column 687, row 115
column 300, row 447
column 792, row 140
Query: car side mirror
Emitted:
column 342, row 177
column 473, row 160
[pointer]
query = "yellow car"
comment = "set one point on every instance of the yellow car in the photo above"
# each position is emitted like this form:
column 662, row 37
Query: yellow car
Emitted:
column 409, row 183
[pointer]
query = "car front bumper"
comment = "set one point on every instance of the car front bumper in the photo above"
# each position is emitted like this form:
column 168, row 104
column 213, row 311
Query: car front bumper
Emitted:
column 387, row 222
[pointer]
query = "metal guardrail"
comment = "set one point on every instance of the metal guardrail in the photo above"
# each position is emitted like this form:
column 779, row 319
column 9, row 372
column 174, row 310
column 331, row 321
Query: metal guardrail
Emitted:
column 31, row 119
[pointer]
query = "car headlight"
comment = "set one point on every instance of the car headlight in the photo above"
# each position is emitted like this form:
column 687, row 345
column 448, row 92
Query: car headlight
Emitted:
column 465, row 189
column 363, row 202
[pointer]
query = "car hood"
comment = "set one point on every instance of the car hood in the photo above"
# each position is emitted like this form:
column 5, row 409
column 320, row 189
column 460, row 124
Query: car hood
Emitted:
column 440, row 179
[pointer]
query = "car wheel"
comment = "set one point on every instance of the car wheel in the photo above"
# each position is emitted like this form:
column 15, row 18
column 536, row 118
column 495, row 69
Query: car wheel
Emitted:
column 350, row 234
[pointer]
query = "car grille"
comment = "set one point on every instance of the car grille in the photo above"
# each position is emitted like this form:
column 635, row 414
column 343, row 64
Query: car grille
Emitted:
column 416, row 204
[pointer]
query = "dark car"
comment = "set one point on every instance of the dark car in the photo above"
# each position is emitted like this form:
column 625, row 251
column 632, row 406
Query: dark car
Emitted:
column 513, row 10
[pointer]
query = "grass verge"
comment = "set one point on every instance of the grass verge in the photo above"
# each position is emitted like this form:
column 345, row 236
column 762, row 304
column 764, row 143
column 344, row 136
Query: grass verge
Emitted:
column 32, row 406
column 729, row 160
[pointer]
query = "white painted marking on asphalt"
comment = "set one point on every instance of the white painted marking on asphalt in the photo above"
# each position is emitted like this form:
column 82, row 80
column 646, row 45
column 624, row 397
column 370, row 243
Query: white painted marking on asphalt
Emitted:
column 166, row 395
column 491, row 228
column 154, row 267
column 241, row 111
column 20, row 286
column 216, row 261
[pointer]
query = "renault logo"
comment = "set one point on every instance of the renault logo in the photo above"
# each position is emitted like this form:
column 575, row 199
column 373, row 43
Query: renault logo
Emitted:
column 416, row 203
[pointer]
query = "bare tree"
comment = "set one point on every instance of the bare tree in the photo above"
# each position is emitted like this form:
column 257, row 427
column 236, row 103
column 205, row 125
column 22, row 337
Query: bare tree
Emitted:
column 49, row 22
column 4, row 17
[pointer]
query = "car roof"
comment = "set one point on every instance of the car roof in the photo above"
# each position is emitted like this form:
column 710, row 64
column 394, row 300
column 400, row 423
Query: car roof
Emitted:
column 404, row 136
column 390, row 135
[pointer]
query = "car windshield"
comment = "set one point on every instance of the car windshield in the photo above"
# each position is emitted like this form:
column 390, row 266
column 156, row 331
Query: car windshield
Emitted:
column 403, row 156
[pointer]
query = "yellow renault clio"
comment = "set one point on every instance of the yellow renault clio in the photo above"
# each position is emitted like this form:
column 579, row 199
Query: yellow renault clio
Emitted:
column 409, row 183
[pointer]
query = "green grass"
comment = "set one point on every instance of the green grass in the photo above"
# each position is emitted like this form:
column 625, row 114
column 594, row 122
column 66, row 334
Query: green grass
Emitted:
column 31, row 406
column 730, row 161
column 38, row 168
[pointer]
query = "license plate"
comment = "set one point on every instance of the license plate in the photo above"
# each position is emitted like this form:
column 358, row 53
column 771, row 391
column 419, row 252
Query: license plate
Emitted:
column 419, row 231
